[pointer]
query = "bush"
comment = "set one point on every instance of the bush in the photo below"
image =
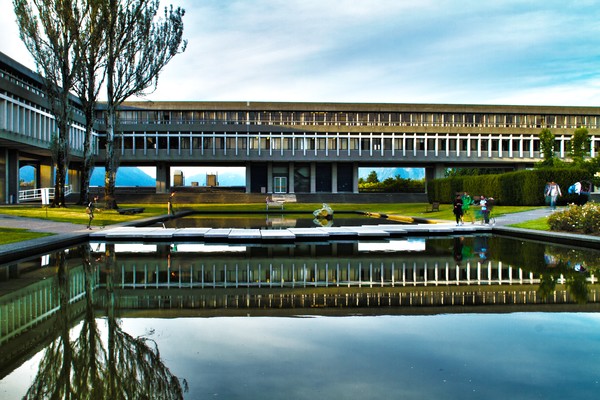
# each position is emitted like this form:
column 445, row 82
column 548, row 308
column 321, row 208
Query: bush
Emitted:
column 520, row 188
column 580, row 219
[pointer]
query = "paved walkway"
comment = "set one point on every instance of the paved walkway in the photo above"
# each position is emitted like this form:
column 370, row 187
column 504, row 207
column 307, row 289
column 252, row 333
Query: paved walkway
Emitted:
column 40, row 225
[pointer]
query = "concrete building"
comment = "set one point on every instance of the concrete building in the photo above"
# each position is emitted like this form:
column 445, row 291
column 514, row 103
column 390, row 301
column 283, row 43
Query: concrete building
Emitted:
column 286, row 148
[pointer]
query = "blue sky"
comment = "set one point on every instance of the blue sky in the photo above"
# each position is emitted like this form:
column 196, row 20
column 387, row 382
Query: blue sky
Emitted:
column 399, row 51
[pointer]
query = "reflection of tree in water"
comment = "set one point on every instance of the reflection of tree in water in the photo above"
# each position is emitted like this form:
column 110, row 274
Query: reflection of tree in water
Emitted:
column 129, row 368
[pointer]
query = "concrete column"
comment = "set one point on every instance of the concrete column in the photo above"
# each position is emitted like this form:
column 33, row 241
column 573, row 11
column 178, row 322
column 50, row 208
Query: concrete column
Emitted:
column 74, row 179
column 46, row 175
column 355, row 178
column 163, row 178
column 248, row 177
column 334, row 178
column 3, row 187
column 269, row 177
column 313, row 177
column 435, row 172
column 12, row 176
column 291, row 181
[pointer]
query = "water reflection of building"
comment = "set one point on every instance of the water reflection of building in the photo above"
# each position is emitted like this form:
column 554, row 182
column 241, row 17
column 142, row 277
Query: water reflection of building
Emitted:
column 304, row 265
column 397, row 276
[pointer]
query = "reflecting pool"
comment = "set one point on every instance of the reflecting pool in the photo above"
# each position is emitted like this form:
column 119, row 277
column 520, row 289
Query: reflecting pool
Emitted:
column 475, row 317
column 271, row 221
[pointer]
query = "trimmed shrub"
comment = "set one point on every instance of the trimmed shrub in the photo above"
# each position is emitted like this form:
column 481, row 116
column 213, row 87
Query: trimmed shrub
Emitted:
column 521, row 188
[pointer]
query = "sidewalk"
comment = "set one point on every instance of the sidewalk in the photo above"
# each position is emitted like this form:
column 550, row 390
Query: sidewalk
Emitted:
column 40, row 225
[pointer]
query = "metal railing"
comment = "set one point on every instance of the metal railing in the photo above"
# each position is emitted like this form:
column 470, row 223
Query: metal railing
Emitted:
column 38, row 194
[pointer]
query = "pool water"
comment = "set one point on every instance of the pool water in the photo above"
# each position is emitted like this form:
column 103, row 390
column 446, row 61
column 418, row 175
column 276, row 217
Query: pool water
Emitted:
column 466, row 317
column 272, row 221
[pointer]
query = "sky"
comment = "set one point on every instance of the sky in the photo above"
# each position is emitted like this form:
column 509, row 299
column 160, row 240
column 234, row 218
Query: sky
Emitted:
column 539, row 52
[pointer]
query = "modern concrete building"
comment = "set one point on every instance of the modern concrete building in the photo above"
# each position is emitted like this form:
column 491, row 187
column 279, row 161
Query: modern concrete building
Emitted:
column 284, row 147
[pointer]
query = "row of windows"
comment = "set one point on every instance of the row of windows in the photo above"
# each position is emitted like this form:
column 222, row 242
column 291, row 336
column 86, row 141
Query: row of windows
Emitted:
column 523, row 146
column 19, row 82
column 361, row 119
column 31, row 122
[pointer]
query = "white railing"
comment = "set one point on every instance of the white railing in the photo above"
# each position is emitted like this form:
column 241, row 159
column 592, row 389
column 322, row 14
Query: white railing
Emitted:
column 38, row 194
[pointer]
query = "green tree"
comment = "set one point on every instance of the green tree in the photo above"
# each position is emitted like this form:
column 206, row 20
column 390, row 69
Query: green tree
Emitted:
column 49, row 29
column 90, row 49
column 579, row 146
column 138, row 48
column 547, row 146
column 372, row 177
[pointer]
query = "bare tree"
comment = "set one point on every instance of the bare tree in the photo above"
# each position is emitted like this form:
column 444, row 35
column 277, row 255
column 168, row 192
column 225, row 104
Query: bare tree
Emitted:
column 49, row 29
column 138, row 48
column 91, row 50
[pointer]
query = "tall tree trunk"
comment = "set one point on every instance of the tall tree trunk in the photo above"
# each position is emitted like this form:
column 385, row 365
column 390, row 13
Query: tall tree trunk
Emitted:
column 88, row 160
column 111, row 164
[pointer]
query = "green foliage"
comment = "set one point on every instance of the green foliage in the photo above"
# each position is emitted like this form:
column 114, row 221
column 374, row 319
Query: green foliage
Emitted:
column 579, row 146
column 513, row 188
column 393, row 185
column 547, row 146
column 372, row 177
column 582, row 219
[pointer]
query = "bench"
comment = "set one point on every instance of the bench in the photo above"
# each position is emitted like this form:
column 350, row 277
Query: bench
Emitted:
column 130, row 211
column 274, row 203
column 435, row 206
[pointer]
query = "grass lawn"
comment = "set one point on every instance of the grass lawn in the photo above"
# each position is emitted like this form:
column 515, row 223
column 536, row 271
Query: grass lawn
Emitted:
column 14, row 235
column 540, row 224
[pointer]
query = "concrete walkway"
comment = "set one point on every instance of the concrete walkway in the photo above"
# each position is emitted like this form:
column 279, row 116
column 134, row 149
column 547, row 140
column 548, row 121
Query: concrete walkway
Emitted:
column 67, row 234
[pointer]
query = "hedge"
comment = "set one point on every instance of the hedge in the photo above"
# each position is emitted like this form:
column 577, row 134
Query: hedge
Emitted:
column 521, row 188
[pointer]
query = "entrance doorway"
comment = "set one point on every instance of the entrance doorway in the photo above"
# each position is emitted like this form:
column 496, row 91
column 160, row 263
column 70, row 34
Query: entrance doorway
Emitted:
column 279, row 184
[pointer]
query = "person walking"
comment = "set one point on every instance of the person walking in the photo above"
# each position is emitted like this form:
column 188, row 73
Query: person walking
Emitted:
column 170, row 209
column 485, row 211
column 466, row 204
column 553, row 191
column 458, row 209
column 90, row 211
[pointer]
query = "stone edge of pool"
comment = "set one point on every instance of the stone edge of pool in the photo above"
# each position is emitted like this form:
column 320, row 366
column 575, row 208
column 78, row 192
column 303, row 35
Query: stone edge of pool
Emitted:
column 141, row 231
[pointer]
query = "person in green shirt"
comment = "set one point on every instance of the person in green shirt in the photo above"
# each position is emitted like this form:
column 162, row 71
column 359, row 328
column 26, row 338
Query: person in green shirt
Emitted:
column 466, row 204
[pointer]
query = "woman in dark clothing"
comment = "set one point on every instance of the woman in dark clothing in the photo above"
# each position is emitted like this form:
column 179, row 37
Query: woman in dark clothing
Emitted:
column 458, row 209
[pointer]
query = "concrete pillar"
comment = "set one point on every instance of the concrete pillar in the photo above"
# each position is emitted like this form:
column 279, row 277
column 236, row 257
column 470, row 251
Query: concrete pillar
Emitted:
column 313, row 177
column 248, row 177
column 269, row 177
column 74, row 179
column 46, row 174
column 163, row 178
column 334, row 178
column 440, row 171
column 435, row 172
column 291, row 182
column 355, row 178
column 12, row 176
column 3, row 190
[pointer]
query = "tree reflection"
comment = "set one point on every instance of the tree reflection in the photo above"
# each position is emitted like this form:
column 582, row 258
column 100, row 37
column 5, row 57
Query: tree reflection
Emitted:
column 53, row 380
column 84, row 368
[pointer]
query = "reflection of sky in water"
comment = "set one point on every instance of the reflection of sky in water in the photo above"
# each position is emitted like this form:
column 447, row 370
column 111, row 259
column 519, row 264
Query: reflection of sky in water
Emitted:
column 530, row 355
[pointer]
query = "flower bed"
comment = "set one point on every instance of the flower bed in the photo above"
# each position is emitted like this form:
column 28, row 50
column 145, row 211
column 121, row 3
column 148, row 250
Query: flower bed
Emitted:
column 578, row 219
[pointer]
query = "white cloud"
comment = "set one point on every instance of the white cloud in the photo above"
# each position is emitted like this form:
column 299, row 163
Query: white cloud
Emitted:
column 448, row 51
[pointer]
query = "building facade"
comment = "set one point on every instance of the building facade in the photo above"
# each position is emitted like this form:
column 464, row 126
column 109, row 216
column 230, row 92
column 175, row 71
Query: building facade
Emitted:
column 285, row 147
column 318, row 147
